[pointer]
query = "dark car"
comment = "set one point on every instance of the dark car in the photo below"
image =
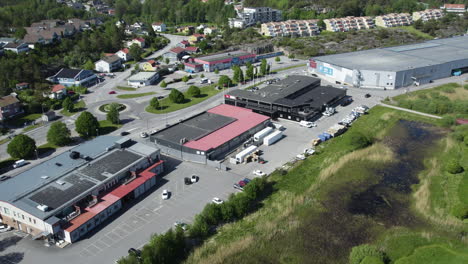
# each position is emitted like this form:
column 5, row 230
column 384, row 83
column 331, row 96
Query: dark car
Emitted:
column 346, row 101
column 160, row 97
column 246, row 180
column 4, row 178
column 187, row 181
column 367, row 95
column 136, row 252
column 124, row 133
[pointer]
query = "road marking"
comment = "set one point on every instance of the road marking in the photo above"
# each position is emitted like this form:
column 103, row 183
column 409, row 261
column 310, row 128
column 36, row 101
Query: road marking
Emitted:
column 131, row 129
column 156, row 209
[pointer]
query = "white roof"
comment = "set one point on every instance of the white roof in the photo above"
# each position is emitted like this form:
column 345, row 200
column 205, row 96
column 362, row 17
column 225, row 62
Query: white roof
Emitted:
column 142, row 76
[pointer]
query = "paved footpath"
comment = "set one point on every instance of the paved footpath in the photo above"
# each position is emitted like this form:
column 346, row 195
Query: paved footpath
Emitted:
column 410, row 111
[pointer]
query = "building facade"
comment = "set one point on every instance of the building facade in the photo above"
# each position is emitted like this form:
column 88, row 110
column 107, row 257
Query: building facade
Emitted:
column 74, row 77
column 394, row 20
column 142, row 79
column 108, row 64
column 344, row 24
column 10, row 107
column 69, row 195
column 221, row 61
column 428, row 14
column 454, row 8
column 296, row 28
column 249, row 16
column 159, row 27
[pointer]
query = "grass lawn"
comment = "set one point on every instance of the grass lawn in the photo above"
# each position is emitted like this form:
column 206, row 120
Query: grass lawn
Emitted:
column 417, row 32
column 20, row 120
column 42, row 149
column 288, row 68
column 126, row 88
column 31, row 127
column 129, row 96
column 293, row 225
column 78, row 107
column 166, row 106
column 107, row 127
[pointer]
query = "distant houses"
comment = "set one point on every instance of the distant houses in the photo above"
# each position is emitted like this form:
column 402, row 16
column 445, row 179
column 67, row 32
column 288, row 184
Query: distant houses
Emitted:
column 159, row 27
column 139, row 41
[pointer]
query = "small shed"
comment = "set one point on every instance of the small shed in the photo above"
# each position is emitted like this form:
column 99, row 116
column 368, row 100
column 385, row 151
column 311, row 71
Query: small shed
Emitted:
column 49, row 116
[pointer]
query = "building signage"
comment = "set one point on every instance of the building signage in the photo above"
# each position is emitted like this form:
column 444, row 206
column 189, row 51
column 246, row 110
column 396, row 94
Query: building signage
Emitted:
column 325, row 70
column 312, row 64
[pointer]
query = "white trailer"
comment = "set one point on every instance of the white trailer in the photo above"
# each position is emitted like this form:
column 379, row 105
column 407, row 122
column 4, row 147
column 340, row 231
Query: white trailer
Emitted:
column 272, row 138
column 262, row 133
column 241, row 155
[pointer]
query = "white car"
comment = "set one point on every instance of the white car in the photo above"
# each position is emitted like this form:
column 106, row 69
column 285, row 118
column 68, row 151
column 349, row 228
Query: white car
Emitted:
column 300, row 156
column 143, row 134
column 259, row 173
column 181, row 224
column 6, row 229
column 307, row 124
column 165, row 195
column 153, row 131
column 309, row 151
column 194, row 178
column 216, row 200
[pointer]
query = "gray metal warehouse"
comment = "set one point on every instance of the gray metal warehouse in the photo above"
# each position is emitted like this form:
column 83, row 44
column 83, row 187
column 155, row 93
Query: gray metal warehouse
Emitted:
column 395, row 67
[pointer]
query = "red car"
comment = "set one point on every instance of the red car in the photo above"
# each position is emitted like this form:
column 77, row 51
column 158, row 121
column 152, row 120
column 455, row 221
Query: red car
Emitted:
column 71, row 92
column 112, row 92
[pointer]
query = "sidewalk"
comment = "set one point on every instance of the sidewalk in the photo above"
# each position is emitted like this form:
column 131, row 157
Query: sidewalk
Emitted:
column 410, row 111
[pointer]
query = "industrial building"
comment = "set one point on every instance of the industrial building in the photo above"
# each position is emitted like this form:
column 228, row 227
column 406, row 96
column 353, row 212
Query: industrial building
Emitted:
column 219, row 61
column 296, row 98
column 209, row 136
column 395, row 67
column 70, row 194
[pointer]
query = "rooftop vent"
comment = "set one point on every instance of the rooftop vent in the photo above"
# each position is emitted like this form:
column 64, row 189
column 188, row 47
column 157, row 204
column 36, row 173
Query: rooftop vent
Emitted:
column 59, row 182
column 45, row 177
column 74, row 155
column 58, row 164
column 43, row 207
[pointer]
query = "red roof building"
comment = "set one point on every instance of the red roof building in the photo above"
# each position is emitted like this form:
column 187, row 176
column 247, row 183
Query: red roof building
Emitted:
column 57, row 88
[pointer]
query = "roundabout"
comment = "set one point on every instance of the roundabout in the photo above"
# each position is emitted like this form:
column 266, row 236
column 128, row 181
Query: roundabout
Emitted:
column 106, row 107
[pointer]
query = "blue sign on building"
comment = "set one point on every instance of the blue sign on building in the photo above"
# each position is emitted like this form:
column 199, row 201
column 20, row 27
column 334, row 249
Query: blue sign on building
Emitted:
column 325, row 70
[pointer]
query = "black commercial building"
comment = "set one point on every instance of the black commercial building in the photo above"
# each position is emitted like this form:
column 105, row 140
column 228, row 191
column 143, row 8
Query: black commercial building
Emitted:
column 296, row 98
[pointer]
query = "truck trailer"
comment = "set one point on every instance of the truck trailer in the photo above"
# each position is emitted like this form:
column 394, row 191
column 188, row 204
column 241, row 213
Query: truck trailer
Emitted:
column 272, row 138
column 240, row 157
column 262, row 133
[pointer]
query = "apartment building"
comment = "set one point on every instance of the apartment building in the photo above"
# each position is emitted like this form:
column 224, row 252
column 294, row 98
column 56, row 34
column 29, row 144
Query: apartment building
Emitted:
column 394, row 20
column 299, row 28
column 249, row 16
column 348, row 23
column 428, row 14
column 454, row 8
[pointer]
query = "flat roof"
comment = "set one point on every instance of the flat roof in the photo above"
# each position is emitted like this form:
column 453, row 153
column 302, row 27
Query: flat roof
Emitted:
column 225, row 55
column 61, row 179
column 142, row 76
column 403, row 57
column 295, row 90
column 212, row 128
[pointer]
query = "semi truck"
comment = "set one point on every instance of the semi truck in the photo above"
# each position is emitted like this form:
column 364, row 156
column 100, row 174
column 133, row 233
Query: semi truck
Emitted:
column 272, row 138
column 240, row 157
column 262, row 133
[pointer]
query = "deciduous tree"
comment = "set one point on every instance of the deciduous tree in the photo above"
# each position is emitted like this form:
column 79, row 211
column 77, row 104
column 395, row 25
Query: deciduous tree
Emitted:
column 86, row 125
column 21, row 147
column 58, row 134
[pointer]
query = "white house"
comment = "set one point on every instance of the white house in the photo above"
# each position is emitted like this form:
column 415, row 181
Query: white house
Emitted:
column 142, row 79
column 108, row 64
column 210, row 30
column 58, row 91
column 159, row 26
column 139, row 41
column 124, row 54
column 16, row 47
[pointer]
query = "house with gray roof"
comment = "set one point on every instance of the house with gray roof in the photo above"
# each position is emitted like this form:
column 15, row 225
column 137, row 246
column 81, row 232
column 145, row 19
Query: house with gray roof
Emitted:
column 108, row 64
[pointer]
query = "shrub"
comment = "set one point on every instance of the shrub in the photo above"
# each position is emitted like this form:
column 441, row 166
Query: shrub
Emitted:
column 163, row 84
column 21, row 147
column 447, row 121
column 358, row 140
column 193, row 91
column 58, row 134
column 453, row 166
column 176, row 96
column 359, row 253
column 154, row 103
column 460, row 211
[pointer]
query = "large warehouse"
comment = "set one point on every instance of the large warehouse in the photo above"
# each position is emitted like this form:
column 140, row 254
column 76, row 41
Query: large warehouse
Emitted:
column 70, row 194
column 211, row 134
column 395, row 67
column 296, row 98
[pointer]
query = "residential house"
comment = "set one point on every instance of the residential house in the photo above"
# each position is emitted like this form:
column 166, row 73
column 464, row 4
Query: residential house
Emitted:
column 74, row 77
column 21, row 86
column 186, row 29
column 10, row 106
column 210, row 30
column 108, row 64
column 142, row 79
column 195, row 38
column 120, row 23
column 175, row 54
column 16, row 47
column 454, row 8
column 183, row 44
column 139, row 41
column 394, row 20
column 49, row 116
column 7, row 40
column 428, row 14
column 192, row 50
column 124, row 54
column 349, row 23
column 159, row 26
column 57, row 91
column 149, row 66
column 299, row 28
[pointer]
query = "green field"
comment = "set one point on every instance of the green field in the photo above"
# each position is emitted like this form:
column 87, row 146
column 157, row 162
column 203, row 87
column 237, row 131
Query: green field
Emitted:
column 107, row 127
column 77, row 107
column 301, row 220
column 166, row 106
column 130, row 96
column 20, row 120
column 288, row 68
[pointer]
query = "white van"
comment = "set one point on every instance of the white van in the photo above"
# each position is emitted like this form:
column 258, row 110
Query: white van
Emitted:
column 19, row 163
column 308, row 124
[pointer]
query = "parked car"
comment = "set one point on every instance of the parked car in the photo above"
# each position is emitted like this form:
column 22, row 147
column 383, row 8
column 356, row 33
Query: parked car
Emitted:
column 181, row 224
column 19, row 163
column 160, row 97
column 112, row 92
column 9, row 228
column 124, row 133
column 194, row 178
column 242, row 183
column 4, row 178
column 367, row 95
column 238, row 187
column 165, row 195
column 136, row 252
column 154, row 131
column 346, row 101
column 300, row 156
column 259, row 173
column 246, row 180
column 216, row 200
column 187, row 181
column 143, row 134
column 309, row 151
column 307, row 124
